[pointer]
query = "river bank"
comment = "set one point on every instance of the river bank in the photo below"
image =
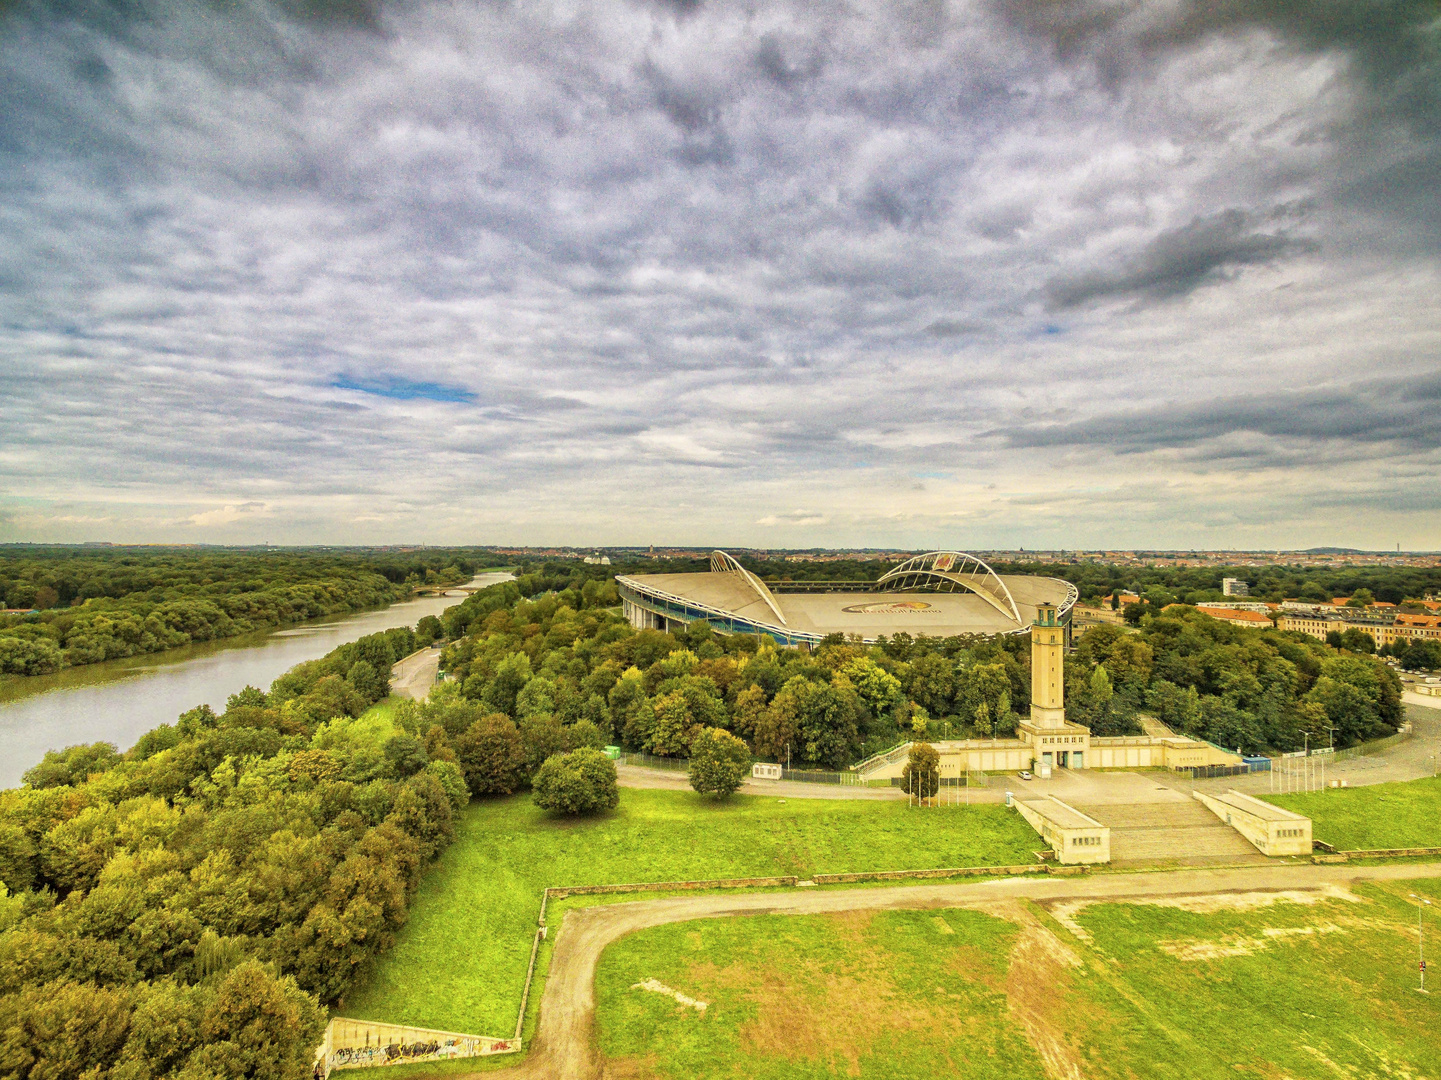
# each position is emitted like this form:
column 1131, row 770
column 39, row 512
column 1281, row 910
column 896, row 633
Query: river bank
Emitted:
column 119, row 700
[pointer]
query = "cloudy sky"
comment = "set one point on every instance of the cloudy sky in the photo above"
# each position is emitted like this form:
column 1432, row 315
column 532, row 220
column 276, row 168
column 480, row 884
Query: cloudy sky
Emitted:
column 980, row 273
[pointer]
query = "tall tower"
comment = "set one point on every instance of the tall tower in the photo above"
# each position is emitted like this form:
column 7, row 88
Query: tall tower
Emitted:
column 1048, row 696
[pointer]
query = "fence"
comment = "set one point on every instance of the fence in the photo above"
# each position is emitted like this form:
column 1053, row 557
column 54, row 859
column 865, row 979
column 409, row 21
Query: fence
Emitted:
column 650, row 761
column 820, row 776
column 803, row 776
column 1205, row 772
column 1366, row 749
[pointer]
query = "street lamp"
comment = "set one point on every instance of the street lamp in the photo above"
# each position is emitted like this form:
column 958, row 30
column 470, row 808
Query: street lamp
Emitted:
column 1421, row 941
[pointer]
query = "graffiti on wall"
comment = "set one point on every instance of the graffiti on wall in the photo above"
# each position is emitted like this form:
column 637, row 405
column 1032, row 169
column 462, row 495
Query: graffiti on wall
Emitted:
column 434, row 1048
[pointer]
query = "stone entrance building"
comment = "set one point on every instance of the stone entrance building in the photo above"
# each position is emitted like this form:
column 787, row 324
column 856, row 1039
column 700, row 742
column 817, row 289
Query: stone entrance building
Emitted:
column 1046, row 739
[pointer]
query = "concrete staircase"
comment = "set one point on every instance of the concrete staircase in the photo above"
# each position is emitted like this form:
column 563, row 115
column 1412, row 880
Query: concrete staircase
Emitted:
column 1180, row 832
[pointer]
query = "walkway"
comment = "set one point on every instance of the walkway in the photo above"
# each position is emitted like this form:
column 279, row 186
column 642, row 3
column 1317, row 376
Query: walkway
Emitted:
column 415, row 675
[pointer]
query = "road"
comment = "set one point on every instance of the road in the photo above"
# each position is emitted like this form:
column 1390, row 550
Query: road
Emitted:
column 1418, row 756
column 564, row 1046
column 636, row 776
column 415, row 675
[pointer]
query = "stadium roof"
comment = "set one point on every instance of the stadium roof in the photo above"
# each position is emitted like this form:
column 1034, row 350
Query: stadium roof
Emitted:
column 939, row 594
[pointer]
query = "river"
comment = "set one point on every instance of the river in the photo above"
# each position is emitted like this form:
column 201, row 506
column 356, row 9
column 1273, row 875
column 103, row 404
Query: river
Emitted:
column 119, row 700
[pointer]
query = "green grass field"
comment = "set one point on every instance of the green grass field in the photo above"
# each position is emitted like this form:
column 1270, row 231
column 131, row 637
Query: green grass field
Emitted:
column 460, row 962
column 1378, row 816
column 1286, row 990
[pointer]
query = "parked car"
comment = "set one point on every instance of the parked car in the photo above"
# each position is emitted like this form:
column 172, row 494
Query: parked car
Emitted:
column 1025, row 774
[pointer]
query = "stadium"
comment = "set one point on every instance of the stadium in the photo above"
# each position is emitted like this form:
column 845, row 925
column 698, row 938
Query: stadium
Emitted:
column 938, row 594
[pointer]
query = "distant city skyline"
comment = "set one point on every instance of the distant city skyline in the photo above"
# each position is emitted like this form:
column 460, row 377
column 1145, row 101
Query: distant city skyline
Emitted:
column 977, row 275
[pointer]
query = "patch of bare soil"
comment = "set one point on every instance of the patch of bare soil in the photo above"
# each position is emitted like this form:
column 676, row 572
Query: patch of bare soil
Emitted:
column 1065, row 912
column 1038, row 983
column 655, row 986
column 829, row 1012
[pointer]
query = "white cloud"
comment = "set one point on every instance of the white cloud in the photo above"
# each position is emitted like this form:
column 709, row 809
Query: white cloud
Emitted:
column 606, row 274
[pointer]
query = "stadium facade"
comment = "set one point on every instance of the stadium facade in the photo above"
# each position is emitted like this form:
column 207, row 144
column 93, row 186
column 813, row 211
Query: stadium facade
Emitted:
column 938, row 594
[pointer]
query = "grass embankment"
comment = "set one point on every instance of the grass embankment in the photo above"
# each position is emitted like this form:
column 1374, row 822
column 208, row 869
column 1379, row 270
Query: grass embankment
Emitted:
column 460, row 962
column 1290, row 989
column 1398, row 815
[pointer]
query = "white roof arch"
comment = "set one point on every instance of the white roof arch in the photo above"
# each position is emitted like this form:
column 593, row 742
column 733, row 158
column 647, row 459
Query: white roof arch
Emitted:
column 957, row 569
column 721, row 563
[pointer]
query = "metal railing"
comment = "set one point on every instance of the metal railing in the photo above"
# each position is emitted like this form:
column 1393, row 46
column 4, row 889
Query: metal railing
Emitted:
column 888, row 757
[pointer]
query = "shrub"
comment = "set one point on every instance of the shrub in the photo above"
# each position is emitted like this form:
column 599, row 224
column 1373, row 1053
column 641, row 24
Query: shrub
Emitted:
column 719, row 762
column 580, row 782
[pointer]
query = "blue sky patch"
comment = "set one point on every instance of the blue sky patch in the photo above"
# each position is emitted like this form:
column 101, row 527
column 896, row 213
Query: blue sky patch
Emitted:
column 406, row 390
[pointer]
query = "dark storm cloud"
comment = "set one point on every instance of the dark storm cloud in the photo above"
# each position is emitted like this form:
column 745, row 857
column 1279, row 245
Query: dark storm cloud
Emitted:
column 1390, row 46
column 508, row 262
column 1371, row 414
column 1177, row 261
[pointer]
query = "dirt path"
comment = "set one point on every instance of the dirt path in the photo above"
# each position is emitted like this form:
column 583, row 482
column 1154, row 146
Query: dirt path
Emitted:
column 415, row 675
column 564, row 1046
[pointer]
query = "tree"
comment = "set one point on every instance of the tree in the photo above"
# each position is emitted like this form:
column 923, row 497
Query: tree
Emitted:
column 62, row 1031
column 982, row 721
column 73, row 765
column 1356, row 640
column 511, row 675
column 580, row 782
column 686, row 704
column 260, row 1027
column 932, row 683
column 1101, row 693
column 406, row 754
column 719, row 762
column 543, row 736
column 875, row 686
column 429, row 629
column 369, row 682
column 1229, row 726
column 922, row 774
column 1421, row 655
column 492, row 756
column 749, row 708
column 1005, row 723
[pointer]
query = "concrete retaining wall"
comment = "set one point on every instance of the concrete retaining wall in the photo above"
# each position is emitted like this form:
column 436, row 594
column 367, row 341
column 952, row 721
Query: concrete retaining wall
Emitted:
column 1335, row 856
column 905, row 875
column 1076, row 838
column 1269, row 829
column 359, row 1044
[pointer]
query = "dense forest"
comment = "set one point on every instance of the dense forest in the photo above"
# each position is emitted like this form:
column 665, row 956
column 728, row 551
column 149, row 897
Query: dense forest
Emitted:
column 562, row 659
column 94, row 604
column 185, row 909
column 1192, row 585
column 189, row 908
column 1161, row 585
